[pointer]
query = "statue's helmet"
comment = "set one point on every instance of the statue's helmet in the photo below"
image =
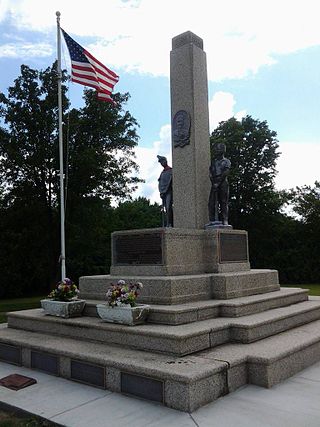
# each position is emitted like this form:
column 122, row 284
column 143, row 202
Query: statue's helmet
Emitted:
column 219, row 147
column 161, row 159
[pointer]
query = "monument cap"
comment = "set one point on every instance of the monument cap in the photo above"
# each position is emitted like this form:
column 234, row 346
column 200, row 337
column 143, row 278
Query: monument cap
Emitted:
column 187, row 38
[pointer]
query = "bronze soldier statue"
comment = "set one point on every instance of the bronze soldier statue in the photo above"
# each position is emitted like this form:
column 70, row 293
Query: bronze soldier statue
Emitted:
column 165, row 189
column 219, row 194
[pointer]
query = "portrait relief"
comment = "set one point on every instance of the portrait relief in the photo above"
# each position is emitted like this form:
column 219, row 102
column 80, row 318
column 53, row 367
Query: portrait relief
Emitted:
column 181, row 128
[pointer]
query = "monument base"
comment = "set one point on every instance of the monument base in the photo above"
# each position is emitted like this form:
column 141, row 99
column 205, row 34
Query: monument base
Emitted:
column 175, row 251
column 178, row 266
column 217, row 224
column 187, row 288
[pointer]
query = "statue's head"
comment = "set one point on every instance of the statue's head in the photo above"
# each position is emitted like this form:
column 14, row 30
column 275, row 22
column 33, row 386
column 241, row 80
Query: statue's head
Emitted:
column 162, row 160
column 219, row 149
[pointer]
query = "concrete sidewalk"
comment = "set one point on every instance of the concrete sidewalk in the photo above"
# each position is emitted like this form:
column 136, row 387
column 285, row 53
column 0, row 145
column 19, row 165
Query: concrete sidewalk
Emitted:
column 294, row 403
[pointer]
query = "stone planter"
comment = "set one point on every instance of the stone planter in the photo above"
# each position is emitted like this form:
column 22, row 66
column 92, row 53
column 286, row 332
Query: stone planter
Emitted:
column 125, row 314
column 64, row 309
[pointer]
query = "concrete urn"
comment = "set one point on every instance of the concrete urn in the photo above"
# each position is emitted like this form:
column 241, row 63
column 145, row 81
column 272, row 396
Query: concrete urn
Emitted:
column 65, row 309
column 124, row 314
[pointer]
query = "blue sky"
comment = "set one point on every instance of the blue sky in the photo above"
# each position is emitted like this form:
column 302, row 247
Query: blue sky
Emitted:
column 263, row 60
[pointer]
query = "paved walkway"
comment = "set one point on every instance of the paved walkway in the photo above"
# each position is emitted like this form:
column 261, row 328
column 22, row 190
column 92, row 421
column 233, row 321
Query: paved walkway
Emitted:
column 294, row 403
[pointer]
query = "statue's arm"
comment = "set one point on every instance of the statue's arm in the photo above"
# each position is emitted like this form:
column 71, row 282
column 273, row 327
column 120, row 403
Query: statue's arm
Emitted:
column 226, row 170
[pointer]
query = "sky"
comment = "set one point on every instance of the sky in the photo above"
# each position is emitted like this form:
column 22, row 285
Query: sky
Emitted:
column 263, row 60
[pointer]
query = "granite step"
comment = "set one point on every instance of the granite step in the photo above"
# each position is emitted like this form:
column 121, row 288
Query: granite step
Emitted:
column 185, row 288
column 180, row 383
column 269, row 361
column 184, row 383
column 201, row 310
column 177, row 340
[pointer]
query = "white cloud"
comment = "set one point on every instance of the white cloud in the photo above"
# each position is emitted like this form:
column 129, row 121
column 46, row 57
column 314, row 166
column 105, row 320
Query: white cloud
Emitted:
column 4, row 9
column 221, row 108
column 25, row 50
column 298, row 164
column 150, row 169
column 239, row 36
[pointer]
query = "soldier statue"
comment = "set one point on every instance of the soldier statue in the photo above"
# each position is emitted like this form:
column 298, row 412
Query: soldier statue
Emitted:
column 219, row 194
column 165, row 189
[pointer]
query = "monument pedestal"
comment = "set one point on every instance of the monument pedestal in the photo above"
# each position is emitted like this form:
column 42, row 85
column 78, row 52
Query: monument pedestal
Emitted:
column 176, row 251
column 186, row 288
column 182, row 265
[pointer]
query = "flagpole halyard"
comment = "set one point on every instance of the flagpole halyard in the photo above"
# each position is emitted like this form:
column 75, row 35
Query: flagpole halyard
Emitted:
column 62, row 207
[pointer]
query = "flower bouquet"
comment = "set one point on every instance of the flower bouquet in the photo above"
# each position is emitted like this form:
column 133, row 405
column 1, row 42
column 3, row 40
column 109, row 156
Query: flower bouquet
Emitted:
column 122, row 294
column 63, row 300
column 65, row 290
column 121, row 306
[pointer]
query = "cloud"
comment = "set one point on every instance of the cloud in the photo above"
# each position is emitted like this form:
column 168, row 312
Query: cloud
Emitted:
column 221, row 108
column 239, row 37
column 25, row 50
column 295, row 166
column 150, row 169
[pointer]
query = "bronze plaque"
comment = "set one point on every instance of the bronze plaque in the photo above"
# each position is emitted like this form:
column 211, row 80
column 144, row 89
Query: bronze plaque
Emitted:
column 233, row 247
column 88, row 373
column 181, row 128
column 144, row 387
column 10, row 353
column 45, row 362
column 138, row 249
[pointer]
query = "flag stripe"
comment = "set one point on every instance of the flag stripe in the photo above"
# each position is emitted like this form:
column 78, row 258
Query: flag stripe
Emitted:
column 87, row 67
column 97, row 64
column 104, row 97
column 85, row 82
column 88, row 71
column 99, row 83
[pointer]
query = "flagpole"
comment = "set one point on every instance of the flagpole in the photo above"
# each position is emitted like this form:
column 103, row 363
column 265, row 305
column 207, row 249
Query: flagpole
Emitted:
column 62, row 207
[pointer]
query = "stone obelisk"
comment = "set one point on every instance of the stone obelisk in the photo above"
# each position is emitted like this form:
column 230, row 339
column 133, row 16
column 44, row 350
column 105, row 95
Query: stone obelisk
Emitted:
column 190, row 131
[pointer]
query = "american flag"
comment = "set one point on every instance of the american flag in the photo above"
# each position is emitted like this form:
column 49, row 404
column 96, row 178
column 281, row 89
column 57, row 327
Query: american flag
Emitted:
column 88, row 71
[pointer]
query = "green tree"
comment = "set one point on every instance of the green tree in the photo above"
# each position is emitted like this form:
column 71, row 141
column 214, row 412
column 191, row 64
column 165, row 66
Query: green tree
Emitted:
column 100, row 156
column 306, row 203
column 102, row 139
column 29, row 162
column 28, row 171
column 135, row 214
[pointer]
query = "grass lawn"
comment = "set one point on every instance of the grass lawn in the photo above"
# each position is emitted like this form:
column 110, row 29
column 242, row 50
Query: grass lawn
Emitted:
column 10, row 419
column 314, row 289
column 17, row 304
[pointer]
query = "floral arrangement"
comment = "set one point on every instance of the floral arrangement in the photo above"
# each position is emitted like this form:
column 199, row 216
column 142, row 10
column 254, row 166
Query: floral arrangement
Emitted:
column 123, row 294
column 65, row 290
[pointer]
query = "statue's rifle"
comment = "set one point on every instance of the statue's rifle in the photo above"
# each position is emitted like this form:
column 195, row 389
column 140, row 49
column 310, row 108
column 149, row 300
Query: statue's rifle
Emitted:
column 163, row 212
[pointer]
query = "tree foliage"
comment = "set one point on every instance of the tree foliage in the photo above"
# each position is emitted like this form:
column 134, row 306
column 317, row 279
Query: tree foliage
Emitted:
column 136, row 214
column 102, row 138
column 101, row 167
column 306, row 203
column 28, row 145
